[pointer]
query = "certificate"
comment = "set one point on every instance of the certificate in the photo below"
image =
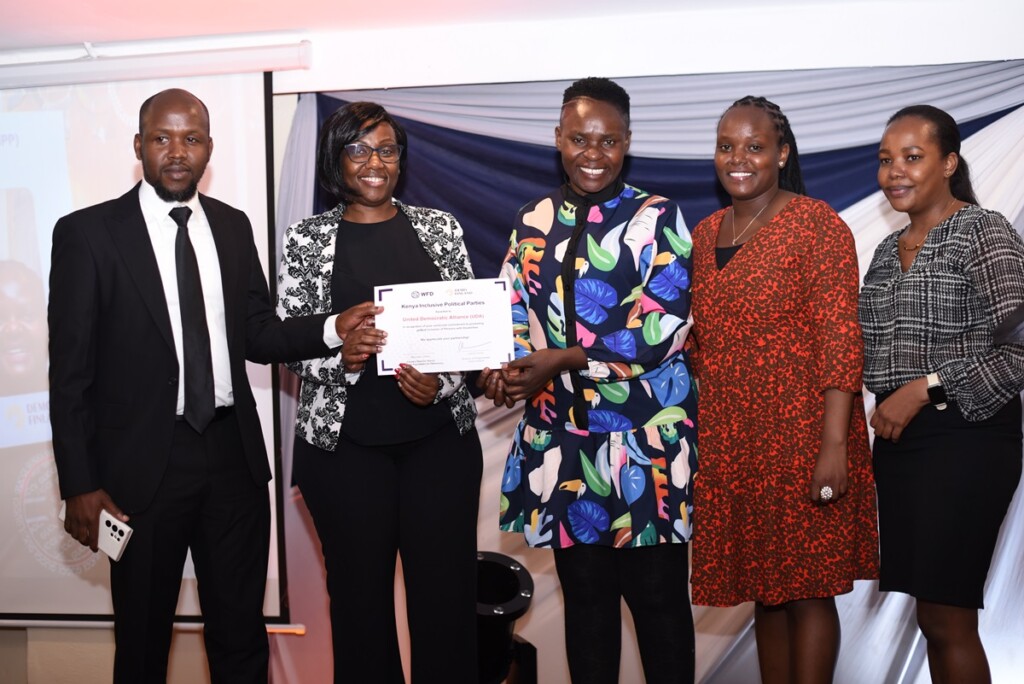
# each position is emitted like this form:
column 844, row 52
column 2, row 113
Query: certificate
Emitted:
column 455, row 325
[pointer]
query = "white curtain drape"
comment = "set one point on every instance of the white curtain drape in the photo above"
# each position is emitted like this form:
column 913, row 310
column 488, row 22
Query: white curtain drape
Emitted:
column 674, row 117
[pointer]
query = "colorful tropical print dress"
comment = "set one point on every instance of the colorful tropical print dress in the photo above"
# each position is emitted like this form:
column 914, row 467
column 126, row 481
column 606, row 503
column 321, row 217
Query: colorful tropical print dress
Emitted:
column 604, row 455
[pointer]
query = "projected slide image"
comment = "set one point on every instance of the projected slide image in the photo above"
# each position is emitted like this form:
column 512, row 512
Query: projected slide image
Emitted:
column 24, row 414
column 62, row 149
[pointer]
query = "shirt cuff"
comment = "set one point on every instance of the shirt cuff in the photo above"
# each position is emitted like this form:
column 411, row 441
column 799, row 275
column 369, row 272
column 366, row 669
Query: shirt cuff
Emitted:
column 331, row 338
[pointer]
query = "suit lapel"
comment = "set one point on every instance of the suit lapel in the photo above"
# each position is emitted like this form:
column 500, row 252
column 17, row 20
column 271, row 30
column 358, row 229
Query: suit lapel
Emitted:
column 130, row 237
column 438, row 240
column 431, row 237
column 227, row 252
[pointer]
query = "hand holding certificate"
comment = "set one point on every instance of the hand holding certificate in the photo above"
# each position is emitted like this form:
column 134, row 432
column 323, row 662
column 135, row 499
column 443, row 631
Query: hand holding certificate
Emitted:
column 457, row 325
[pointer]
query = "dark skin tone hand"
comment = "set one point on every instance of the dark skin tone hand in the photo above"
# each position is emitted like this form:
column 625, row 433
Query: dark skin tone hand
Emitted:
column 353, row 318
column 522, row 378
column 831, row 469
column 419, row 388
column 360, row 345
column 359, row 338
column 492, row 382
column 895, row 413
column 832, row 465
column 82, row 517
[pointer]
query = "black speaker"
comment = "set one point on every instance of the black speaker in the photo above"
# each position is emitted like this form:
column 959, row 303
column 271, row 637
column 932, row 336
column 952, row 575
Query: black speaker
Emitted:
column 503, row 594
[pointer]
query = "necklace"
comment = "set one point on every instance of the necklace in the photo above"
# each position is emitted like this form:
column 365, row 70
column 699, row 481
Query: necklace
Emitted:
column 907, row 248
column 732, row 218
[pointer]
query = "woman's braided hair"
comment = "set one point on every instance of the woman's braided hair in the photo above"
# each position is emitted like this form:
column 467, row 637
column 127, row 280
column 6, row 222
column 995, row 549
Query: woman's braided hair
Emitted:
column 790, row 177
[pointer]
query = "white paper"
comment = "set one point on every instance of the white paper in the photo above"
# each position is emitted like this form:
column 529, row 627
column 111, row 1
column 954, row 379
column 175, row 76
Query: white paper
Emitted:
column 455, row 325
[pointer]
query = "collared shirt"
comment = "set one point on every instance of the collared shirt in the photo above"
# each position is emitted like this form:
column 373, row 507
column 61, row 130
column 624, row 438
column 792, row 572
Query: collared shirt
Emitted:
column 162, row 233
column 938, row 316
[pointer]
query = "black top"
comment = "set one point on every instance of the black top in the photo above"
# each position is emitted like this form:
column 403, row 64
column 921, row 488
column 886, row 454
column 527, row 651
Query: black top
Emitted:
column 724, row 255
column 366, row 255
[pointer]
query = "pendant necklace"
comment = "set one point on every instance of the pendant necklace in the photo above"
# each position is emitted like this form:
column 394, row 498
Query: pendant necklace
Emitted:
column 914, row 248
column 732, row 218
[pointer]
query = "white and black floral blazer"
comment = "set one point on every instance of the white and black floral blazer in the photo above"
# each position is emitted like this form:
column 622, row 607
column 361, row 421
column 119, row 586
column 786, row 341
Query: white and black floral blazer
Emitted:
column 304, row 288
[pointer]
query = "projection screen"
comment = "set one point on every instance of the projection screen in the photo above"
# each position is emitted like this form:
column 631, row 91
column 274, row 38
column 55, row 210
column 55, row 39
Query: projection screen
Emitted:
column 63, row 148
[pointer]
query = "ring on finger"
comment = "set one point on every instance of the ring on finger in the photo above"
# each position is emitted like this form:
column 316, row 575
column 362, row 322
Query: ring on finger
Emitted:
column 825, row 493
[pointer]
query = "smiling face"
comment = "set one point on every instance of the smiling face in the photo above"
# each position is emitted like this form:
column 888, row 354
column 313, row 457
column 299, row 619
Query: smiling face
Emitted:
column 748, row 155
column 593, row 138
column 371, row 184
column 912, row 171
column 174, row 144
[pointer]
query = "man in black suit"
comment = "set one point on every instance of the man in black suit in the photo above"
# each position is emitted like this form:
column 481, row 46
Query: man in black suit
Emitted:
column 153, row 311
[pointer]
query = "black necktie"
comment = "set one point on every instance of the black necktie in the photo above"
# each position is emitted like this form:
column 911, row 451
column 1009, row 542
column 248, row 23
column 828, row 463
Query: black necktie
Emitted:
column 199, row 399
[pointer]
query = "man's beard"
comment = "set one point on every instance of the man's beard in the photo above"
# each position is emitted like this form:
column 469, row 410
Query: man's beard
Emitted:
column 180, row 196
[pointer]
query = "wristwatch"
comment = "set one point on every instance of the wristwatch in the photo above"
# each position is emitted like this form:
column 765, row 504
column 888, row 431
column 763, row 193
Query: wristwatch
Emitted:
column 936, row 392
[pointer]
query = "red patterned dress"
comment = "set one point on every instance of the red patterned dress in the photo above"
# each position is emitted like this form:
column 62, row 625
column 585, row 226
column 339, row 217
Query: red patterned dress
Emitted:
column 774, row 329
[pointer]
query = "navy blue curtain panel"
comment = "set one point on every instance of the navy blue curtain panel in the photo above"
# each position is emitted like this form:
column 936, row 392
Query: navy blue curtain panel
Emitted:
column 484, row 181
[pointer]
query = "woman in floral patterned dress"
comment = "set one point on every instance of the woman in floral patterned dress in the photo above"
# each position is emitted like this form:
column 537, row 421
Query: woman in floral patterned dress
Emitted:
column 601, row 465
column 385, row 464
column 785, row 493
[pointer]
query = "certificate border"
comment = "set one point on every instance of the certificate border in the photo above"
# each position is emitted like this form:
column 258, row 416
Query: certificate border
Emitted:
column 381, row 368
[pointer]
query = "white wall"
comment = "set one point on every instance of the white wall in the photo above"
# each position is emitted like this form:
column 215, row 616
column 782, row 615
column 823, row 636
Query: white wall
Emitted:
column 697, row 38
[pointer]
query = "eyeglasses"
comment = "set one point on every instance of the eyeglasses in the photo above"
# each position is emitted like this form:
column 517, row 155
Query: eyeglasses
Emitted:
column 360, row 153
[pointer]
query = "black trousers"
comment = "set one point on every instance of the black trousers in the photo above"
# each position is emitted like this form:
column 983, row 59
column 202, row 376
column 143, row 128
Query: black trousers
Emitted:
column 654, row 581
column 418, row 499
column 209, row 503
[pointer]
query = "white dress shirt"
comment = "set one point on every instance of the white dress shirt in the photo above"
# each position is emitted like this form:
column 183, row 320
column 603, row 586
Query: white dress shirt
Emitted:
column 162, row 233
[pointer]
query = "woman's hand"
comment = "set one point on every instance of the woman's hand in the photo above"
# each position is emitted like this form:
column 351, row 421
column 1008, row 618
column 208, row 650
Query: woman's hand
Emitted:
column 899, row 408
column 353, row 318
column 831, row 470
column 492, row 382
column 419, row 388
column 359, row 345
column 526, row 376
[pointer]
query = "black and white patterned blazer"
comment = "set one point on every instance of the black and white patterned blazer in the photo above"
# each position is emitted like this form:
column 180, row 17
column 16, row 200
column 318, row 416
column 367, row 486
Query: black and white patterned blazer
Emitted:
column 304, row 288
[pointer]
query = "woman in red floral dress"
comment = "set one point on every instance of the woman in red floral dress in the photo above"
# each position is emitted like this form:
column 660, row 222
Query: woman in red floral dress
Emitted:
column 786, row 500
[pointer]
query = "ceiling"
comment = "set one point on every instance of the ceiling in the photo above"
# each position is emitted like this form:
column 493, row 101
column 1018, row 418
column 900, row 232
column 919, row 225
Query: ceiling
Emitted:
column 30, row 24
column 344, row 44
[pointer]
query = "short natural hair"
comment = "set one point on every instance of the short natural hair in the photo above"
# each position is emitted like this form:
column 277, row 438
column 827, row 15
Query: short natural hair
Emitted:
column 346, row 125
column 602, row 90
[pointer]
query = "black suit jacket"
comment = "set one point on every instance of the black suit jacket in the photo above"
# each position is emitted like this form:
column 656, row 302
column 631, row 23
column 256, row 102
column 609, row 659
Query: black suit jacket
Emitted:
column 113, row 367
